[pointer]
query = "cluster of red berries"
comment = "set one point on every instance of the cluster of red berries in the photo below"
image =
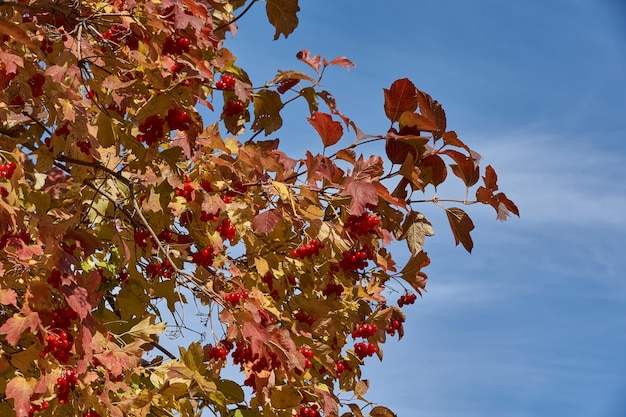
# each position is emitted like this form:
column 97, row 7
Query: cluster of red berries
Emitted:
column 176, row 69
column 362, row 349
column 354, row 259
column 186, row 191
column 65, row 385
column 4, row 192
column 226, row 83
column 407, row 298
column 116, row 33
column 395, row 325
column 33, row 408
column 226, row 229
column 308, row 249
column 59, row 345
column 204, row 257
column 47, row 46
column 84, row 146
column 243, row 354
column 263, row 363
column 301, row 316
column 175, row 45
column 362, row 225
column 160, row 269
column 178, row 119
column 36, row 84
column 332, row 288
column 209, row 217
column 63, row 130
column 91, row 413
column 342, row 365
column 233, row 108
column 220, row 351
column 236, row 296
column 309, row 411
column 140, row 237
column 151, row 129
column 7, row 170
column 308, row 354
column 238, row 188
column 62, row 318
column 365, row 330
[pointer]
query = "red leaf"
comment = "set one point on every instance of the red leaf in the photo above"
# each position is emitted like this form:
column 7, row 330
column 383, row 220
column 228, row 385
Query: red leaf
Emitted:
column 265, row 221
column 314, row 62
column 399, row 98
column 342, row 61
column 450, row 138
column 461, row 226
column 362, row 193
column 20, row 391
column 8, row 297
column 78, row 299
column 433, row 170
column 329, row 130
column 432, row 110
column 465, row 168
column 490, row 178
column 417, row 121
column 14, row 327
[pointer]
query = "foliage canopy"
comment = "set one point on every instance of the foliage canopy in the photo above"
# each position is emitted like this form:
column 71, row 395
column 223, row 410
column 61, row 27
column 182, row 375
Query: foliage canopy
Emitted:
column 122, row 207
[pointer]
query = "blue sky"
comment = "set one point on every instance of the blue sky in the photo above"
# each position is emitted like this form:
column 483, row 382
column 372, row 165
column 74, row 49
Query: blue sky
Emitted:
column 533, row 322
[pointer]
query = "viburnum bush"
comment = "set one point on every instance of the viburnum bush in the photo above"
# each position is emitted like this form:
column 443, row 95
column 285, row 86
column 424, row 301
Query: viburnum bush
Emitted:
column 122, row 207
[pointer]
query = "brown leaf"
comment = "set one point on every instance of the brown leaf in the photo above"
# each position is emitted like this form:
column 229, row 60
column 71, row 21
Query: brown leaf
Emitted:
column 380, row 411
column 461, row 226
column 450, row 138
column 411, row 272
column 282, row 14
column 329, row 130
column 433, row 111
column 465, row 168
column 267, row 107
column 16, row 32
column 401, row 97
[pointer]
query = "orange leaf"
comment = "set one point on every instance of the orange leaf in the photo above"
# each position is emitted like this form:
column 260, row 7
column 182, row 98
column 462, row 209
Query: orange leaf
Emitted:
column 417, row 121
column 400, row 98
column 329, row 130
column 461, row 226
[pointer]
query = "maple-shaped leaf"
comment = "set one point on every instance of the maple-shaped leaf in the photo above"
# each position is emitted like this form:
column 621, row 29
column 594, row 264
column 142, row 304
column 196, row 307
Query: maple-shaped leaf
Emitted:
column 265, row 221
column 414, row 230
column 329, row 130
column 400, row 98
column 461, row 226
column 8, row 296
column 78, row 299
column 146, row 329
column 282, row 14
column 19, row 390
column 267, row 107
column 14, row 327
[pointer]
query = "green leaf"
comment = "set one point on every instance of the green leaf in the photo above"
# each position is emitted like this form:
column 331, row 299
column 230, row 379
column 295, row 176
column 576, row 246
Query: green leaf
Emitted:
column 285, row 396
column 232, row 391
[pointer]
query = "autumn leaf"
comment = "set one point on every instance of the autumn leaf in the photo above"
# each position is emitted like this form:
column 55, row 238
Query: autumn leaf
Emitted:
column 16, row 32
column 267, row 107
column 19, row 390
column 433, row 170
column 400, row 98
column 380, row 411
column 265, row 221
column 342, row 61
column 461, row 226
column 417, row 121
column 15, row 326
column 414, row 230
column 282, row 14
column 329, row 130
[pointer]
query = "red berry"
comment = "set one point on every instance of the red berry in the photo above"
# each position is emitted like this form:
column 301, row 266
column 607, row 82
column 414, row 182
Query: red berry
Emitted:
column 226, row 82
column 233, row 108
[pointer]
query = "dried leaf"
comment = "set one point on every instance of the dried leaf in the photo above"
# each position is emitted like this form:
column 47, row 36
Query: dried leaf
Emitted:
column 19, row 390
column 461, row 226
column 380, row 411
column 414, row 230
column 342, row 61
column 267, row 107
